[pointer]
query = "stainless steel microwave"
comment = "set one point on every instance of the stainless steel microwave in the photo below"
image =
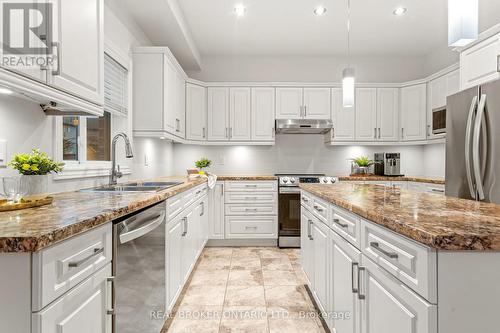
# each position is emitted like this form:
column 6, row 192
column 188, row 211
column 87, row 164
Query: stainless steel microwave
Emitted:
column 439, row 120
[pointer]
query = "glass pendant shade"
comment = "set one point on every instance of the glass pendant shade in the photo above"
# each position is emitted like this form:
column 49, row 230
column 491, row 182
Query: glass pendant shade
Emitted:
column 348, row 87
column 462, row 22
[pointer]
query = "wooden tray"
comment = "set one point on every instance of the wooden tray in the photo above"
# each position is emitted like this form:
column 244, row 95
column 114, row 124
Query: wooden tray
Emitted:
column 24, row 204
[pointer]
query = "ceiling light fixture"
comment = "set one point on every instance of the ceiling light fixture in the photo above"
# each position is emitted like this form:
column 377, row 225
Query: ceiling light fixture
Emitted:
column 319, row 11
column 348, row 78
column 462, row 22
column 240, row 10
column 5, row 91
column 400, row 11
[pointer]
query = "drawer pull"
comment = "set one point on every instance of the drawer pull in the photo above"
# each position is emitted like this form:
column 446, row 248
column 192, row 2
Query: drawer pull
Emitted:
column 249, row 185
column 111, row 280
column 317, row 208
column 74, row 264
column 437, row 190
column 343, row 225
column 251, row 209
column 184, row 226
column 310, row 230
column 198, row 192
column 305, row 199
column 248, row 227
column 202, row 204
column 354, row 268
column 377, row 247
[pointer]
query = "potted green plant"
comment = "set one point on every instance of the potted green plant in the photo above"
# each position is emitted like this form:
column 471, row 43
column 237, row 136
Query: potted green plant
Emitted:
column 363, row 163
column 34, row 169
column 202, row 163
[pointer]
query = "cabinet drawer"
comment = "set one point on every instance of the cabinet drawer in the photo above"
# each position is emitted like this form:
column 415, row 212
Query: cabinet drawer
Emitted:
column 251, row 227
column 320, row 209
column 59, row 268
column 346, row 224
column 263, row 209
column 84, row 306
column 200, row 191
column 250, row 186
column 249, row 198
column 306, row 199
column 189, row 197
column 175, row 205
column 414, row 264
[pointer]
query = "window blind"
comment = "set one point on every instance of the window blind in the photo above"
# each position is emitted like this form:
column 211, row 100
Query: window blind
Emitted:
column 115, row 87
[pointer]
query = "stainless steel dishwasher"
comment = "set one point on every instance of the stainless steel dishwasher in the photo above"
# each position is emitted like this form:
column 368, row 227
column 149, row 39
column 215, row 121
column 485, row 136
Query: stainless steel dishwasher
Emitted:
column 139, row 294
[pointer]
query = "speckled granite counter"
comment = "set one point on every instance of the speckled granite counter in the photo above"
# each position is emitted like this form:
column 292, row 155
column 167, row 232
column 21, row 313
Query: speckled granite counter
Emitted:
column 74, row 212
column 418, row 179
column 441, row 222
column 258, row 177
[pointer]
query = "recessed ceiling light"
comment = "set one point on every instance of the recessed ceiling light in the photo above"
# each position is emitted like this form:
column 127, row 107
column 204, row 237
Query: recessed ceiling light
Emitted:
column 5, row 91
column 399, row 11
column 240, row 10
column 320, row 10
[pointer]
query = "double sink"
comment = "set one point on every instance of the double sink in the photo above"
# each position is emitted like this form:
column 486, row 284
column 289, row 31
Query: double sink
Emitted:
column 134, row 187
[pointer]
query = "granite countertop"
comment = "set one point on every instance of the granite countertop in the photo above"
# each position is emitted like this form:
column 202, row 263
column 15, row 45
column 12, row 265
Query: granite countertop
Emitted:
column 249, row 177
column 440, row 222
column 418, row 179
column 71, row 213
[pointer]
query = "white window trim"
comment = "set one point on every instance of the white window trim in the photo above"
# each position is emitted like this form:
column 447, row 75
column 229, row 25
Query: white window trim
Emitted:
column 92, row 169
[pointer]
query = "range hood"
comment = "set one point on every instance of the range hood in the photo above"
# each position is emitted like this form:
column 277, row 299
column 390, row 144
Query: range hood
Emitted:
column 303, row 126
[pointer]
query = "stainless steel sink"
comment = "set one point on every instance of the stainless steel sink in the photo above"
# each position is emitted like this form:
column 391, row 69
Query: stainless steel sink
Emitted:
column 134, row 187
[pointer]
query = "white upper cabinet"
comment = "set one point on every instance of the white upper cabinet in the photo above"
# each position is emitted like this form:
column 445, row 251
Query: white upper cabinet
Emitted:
column 438, row 90
column 196, row 112
column 218, row 114
column 387, row 114
column 289, row 103
column 240, row 114
column 316, row 103
column 413, row 112
column 263, row 106
column 180, row 105
column 366, row 114
column 79, row 44
column 343, row 119
column 480, row 63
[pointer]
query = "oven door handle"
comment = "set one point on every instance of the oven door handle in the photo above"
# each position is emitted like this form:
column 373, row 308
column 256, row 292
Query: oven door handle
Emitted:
column 142, row 230
column 285, row 190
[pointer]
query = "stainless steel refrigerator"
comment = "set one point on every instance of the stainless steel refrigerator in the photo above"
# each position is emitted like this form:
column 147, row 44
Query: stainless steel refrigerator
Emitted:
column 473, row 143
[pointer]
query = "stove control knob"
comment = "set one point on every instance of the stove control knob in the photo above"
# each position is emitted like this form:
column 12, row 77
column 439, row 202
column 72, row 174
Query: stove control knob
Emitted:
column 285, row 180
column 292, row 180
column 325, row 180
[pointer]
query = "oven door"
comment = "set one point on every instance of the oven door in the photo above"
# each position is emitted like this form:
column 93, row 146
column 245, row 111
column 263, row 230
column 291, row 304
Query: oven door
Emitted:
column 439, row 121
column 289, row 217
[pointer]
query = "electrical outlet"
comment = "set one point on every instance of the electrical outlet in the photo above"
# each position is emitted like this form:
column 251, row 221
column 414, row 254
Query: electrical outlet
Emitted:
column 221, row 160
column 3, row 153
column 146, row 160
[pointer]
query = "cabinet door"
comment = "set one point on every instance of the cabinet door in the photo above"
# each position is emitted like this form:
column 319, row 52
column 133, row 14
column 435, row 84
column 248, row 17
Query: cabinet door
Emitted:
column 83, row 309
column 216, row 221
column 387, row 114
column 413, row 112
column 306, row 244
column 180, row 104
column 173, row 244
column 188, row 246
column 196, row 112
column 344, row 261
column 289, row 103
column 170, row 98
column 343, row 119
column 263, row 104
column 240, row 114
column 317, row 103
column 479, row 64
column 366, row 114
column 320, row 257
column 218, row 114
column 79, row 43
column 391, row 307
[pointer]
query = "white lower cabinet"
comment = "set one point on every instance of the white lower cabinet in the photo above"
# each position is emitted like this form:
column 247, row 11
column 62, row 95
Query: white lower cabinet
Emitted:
column 216, row 212
column 306, row 244
column 319, row 249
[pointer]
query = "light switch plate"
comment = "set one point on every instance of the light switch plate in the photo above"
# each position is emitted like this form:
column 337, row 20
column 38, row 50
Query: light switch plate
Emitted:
column 3, row 153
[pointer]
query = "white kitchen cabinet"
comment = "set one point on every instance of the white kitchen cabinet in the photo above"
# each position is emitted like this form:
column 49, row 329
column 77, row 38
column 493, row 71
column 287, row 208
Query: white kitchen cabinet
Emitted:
column 240, row 114
column 438, row 90
column 390, row 307
column 289, row 103
column 343, row 119
column 306, row 244
column 180, row 105
column 344, row 260
column 174, row 237
column 366, row 114
column 196, row 112
column 479, row 63
column 321, row 262
column 216, row 211
column 388, row 114
column 218, row 114
column 263, row 110
column 317, row 103
column 413, row 112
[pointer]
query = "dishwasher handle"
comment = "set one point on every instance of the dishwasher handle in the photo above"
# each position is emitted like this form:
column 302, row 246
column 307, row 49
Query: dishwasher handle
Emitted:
column 142, row 230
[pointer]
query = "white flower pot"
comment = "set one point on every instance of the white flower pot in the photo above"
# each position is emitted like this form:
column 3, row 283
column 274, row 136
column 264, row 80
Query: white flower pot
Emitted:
column 35, row 186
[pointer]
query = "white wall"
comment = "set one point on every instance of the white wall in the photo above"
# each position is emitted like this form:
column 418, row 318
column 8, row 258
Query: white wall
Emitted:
column 291, row 154
column 435, row 160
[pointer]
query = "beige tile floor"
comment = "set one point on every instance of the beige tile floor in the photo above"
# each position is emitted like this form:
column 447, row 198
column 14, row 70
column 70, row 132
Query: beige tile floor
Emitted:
column 247, row 290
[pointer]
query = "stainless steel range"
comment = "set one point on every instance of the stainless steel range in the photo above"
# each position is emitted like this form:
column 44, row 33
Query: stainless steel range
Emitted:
column 289, row 205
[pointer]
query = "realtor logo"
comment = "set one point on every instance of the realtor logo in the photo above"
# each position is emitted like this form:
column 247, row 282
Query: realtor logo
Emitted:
column 27, row 28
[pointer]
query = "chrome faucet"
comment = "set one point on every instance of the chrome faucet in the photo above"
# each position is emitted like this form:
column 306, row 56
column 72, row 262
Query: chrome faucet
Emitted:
column 115, row 174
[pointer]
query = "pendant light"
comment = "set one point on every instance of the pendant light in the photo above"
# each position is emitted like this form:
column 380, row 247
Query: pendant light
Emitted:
column 348, row 73
column 462, row 22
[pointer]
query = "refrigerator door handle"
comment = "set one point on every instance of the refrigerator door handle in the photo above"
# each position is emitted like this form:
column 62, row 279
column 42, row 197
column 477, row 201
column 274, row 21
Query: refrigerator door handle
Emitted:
column 468, row 136
column 475, row 148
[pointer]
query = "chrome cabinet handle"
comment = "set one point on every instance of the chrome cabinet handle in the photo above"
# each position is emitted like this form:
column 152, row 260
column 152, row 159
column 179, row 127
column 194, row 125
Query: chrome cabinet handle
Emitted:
column 354, row 268
column 437, row 190
column 498, row 63
column 309, row 222
column 310, row 230
column 97, row 251
column 301, row 112
column 111, row 280
column 374, row 132
column 305, row 111
column 184, row 226
column 250, row 185
column 177, row 125
column 251, row 209
column 305, row 199
column 250, row 227
column 402, row 133
column 202, row 204
column 379, row 132
column 273, row 132
column 476, row 162
column 57, row 45
column 204, row 132
column 377, row 247
column 468, row 135
column 317, row 208
column 251, row 198
column 343, row 225
column 428, row 130
column 360, row 295
column 227, row 131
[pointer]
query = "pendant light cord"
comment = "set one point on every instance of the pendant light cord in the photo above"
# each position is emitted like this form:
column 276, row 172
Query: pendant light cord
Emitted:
column 348, row 33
